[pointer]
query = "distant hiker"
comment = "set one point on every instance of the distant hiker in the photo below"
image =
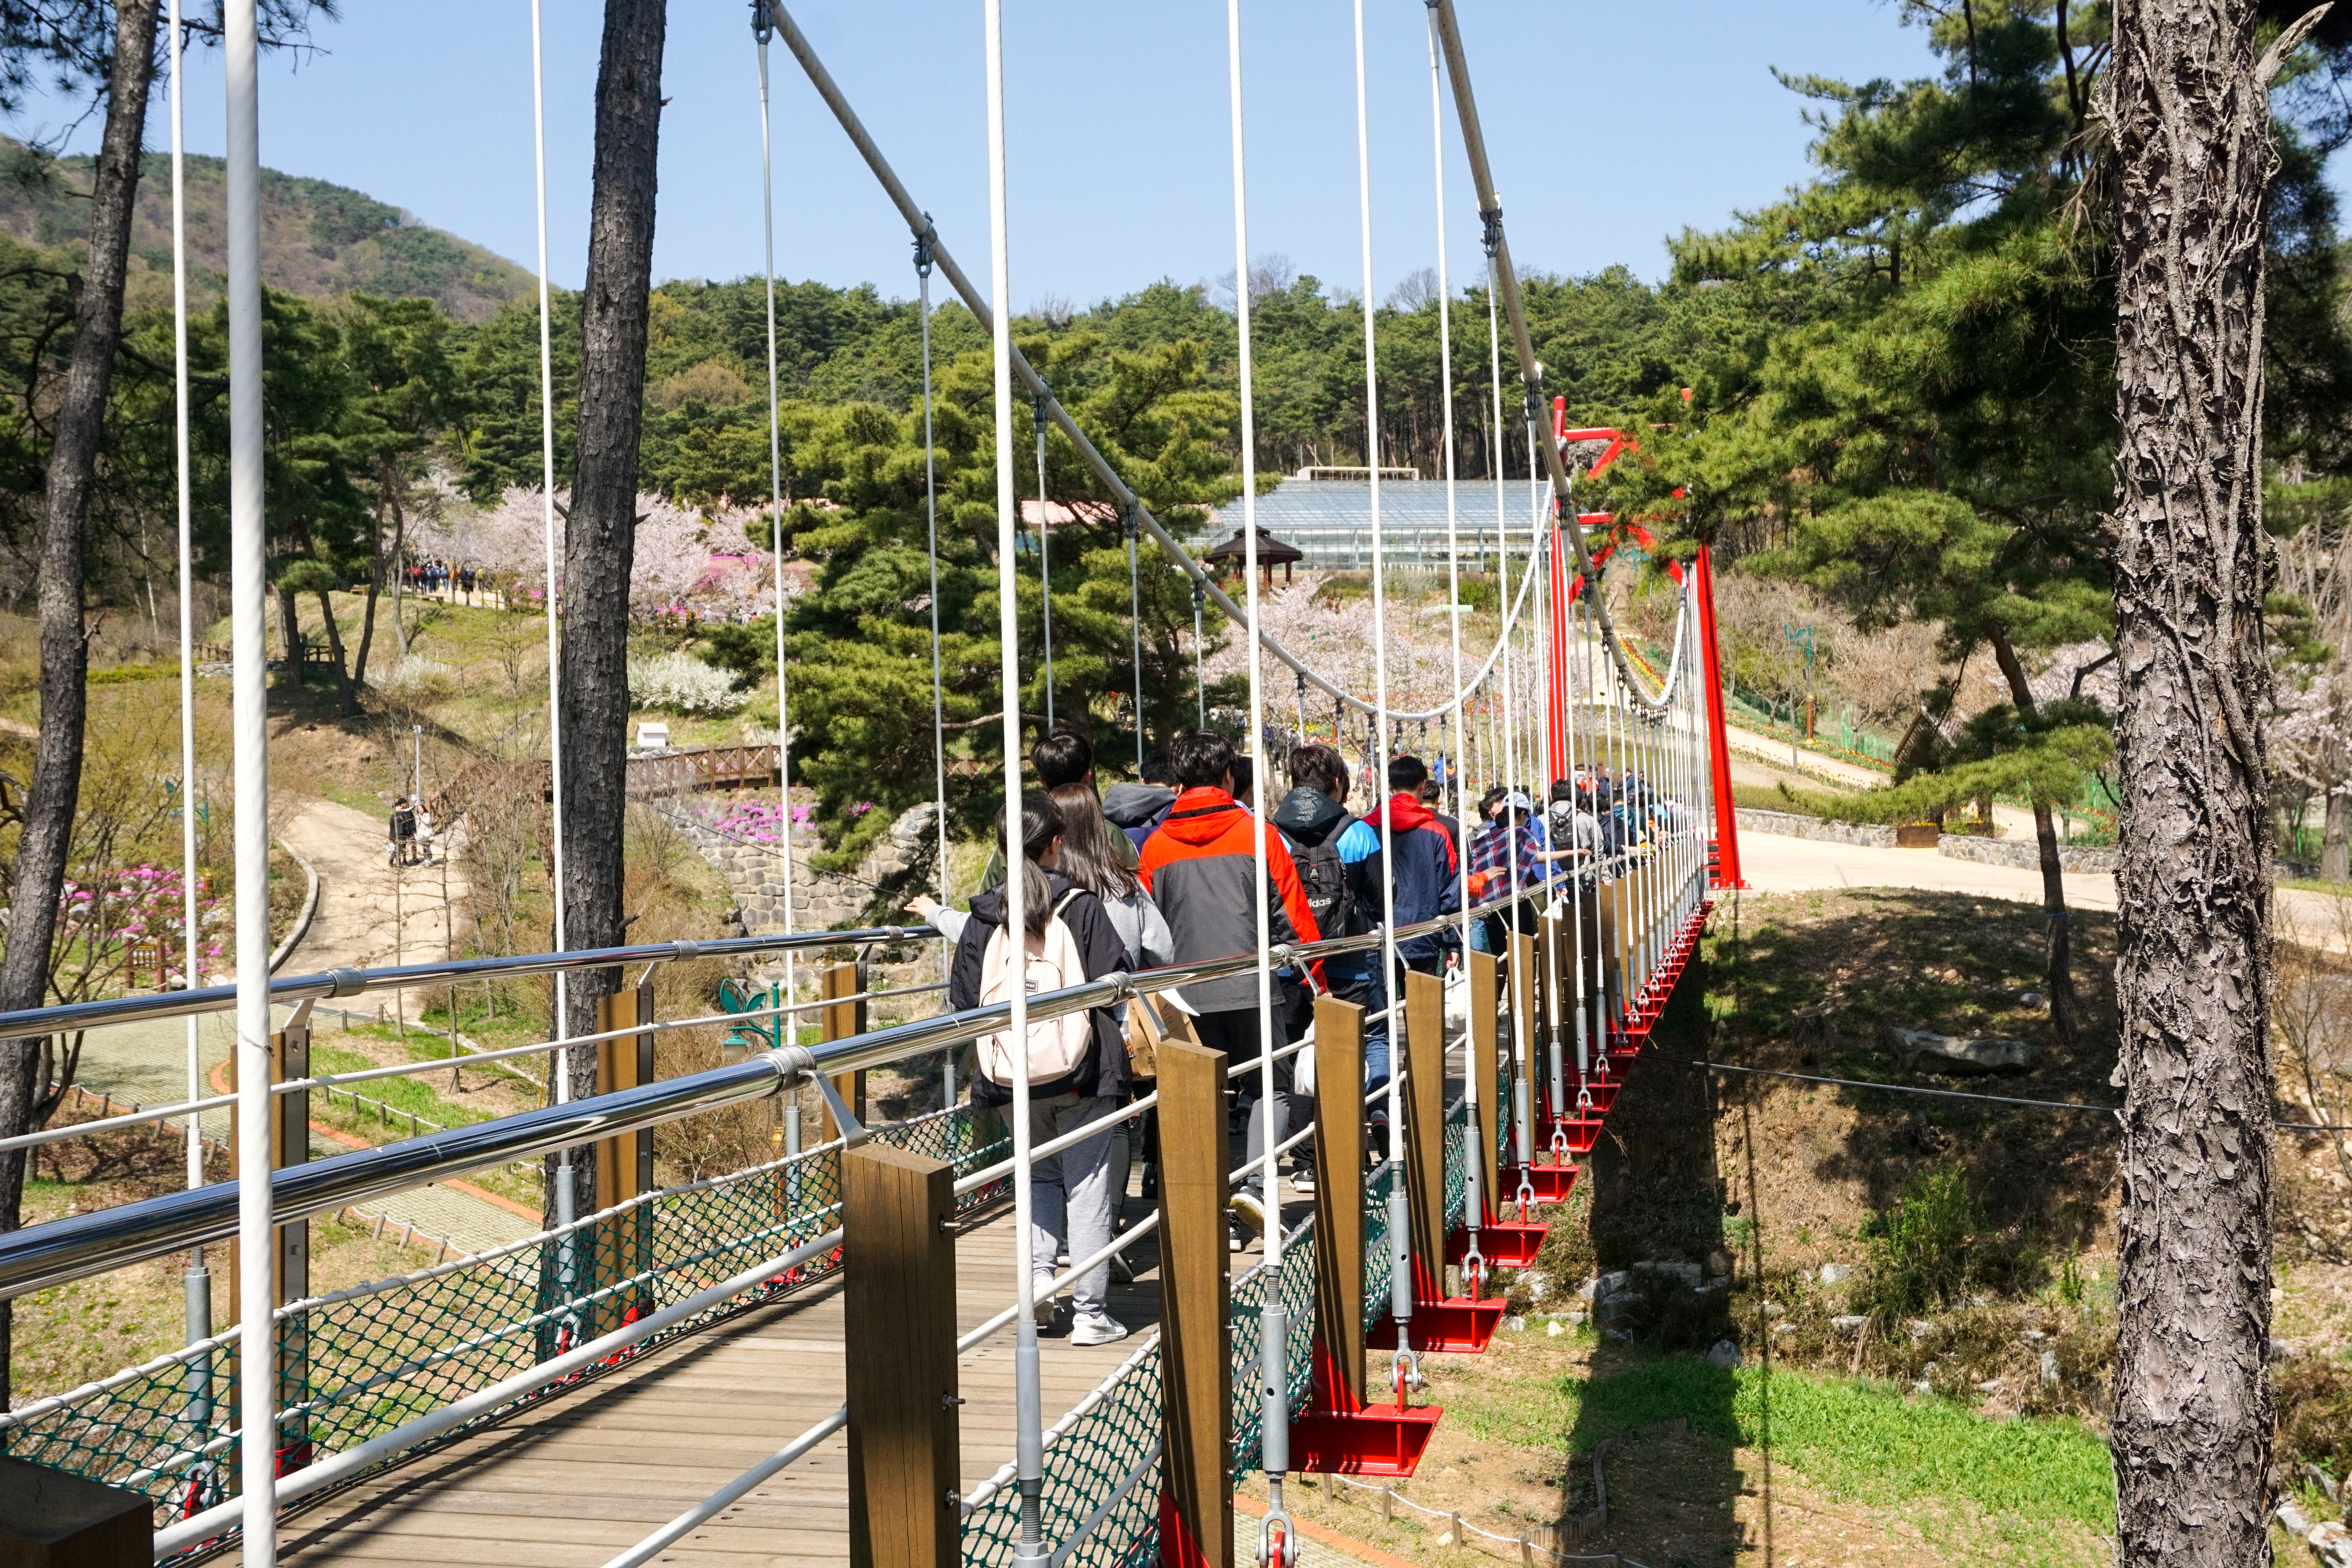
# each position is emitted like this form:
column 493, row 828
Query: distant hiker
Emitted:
column 403, row 831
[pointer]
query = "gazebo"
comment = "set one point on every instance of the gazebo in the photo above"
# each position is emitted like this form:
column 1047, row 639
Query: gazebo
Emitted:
column 1271, row 552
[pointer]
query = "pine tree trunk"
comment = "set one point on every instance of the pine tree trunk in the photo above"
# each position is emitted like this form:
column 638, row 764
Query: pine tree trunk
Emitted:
column 2058, row 969
column 601, row 533
column 2336, row 844
column 2192, row 1415
column 56, row 790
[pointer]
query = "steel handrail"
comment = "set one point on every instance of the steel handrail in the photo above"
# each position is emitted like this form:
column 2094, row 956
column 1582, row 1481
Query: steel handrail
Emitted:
column 63, row 1018
column 81, row 1245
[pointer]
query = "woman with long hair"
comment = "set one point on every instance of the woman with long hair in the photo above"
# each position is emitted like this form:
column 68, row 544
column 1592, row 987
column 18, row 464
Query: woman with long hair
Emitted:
column 1090, row 857
column 1077, row 1066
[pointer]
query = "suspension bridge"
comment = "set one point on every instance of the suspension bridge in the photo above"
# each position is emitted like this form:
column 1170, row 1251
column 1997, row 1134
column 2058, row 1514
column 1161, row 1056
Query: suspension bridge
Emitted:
column 835, row 1355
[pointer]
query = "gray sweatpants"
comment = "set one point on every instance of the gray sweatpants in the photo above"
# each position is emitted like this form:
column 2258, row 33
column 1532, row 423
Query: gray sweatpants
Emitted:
column 1070, row 1197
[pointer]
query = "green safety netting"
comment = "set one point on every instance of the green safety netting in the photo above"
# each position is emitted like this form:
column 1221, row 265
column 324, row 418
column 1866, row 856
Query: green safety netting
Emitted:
column 1110, row 1441
column 360, row 1363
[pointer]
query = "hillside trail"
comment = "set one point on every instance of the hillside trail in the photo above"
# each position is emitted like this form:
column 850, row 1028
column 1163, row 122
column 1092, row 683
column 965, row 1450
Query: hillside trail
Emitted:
column 371, row 914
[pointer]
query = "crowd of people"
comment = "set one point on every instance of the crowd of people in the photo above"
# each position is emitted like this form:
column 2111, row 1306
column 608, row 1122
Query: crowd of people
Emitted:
column 430, row 577
column 1164, row 870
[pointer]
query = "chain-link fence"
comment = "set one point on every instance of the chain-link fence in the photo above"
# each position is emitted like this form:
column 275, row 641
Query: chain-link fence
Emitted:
column 360, row 1363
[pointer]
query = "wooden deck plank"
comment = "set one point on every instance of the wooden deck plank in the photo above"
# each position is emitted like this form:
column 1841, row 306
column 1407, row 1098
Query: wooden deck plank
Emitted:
column 567, row 1483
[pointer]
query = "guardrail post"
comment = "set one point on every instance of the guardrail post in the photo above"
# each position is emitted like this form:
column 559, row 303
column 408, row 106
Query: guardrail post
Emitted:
column 1339, row 1206
column 1425, row 1114
column 842, row 1018
column 1485, row 1071
column 53, row 1519
column 1524, row 1015
column 899, row 1339
column 290, row 1144
column 625, row 1164
column 1196, row 1357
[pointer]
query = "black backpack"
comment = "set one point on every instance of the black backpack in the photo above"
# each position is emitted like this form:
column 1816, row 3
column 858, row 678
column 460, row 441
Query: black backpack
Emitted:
column 1323, row 879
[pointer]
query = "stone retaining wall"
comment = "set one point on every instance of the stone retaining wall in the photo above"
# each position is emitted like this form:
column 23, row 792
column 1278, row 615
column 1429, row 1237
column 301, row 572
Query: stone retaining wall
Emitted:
column 2019, row 852
column 874, row 894
column 1791, row 824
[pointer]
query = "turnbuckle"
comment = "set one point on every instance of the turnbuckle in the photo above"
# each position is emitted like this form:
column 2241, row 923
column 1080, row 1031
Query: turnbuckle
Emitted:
column 1277, row 1538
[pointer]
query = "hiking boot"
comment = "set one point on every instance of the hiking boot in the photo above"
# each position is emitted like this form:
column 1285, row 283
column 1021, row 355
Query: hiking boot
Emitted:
column 1302, row 1176
column 1095, row 1329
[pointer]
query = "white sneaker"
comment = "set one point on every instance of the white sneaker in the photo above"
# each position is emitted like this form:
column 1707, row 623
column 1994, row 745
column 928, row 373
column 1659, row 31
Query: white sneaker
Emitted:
column 1095, row 1329
column 1042, row 1306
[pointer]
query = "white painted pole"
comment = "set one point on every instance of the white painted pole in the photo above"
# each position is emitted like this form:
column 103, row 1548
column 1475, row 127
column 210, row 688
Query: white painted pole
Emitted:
column 249, row 575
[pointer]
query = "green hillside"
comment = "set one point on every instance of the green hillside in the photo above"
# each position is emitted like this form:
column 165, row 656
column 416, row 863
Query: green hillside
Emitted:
column 318, row 240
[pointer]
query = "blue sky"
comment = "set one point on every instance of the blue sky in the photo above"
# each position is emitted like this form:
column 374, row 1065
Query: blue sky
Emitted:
column 1611, row 125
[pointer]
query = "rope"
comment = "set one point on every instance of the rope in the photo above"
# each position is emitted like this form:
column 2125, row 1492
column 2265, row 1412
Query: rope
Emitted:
column 1980, row 1099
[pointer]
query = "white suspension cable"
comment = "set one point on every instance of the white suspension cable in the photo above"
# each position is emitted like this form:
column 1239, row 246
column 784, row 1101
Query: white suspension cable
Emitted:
column 197, row 1285
column 1473, row 1093
column 248, row 577
column 938, row 699
column 1028, row 1399
column 1400, row 1242
column 1278, row 1545
column 566, row 1197
column 791, row 1103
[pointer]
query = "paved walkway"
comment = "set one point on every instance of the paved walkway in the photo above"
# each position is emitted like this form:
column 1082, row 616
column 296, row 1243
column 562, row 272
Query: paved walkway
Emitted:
column 1773, row 863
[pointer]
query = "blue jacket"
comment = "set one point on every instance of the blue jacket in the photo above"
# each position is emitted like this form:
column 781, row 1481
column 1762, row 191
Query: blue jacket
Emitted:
column 1427, row 879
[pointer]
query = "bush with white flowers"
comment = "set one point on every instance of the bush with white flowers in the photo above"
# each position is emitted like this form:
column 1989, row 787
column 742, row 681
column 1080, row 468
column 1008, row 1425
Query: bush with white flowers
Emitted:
column 682, row 684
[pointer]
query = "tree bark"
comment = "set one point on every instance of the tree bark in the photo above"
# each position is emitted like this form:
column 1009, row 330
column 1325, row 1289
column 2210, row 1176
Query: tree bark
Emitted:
column 2192, row 1413
column 2336, row 844
column 600, row 534
column 390, row 484
column 54, row 794
column 2058, row 969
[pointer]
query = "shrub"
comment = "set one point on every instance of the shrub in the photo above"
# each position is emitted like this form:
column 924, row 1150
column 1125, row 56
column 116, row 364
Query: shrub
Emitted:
column 1923, row 1251
column 681, row 683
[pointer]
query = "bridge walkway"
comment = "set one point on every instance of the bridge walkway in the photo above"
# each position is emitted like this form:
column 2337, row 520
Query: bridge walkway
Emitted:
column 570, row 1481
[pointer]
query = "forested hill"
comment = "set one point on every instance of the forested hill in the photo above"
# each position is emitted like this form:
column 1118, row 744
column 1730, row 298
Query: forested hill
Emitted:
column 317, row 239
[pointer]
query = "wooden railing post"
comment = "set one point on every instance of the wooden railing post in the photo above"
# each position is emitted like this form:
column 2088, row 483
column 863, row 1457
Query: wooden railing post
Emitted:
column 53, row 1518
column 1340, row 1205
column 290, row 1144
column 1485, row 1071
column 625, row 1164
column 1196, row 1505
column 1424, row 1150
column 899, row 1355
column 841, row 1018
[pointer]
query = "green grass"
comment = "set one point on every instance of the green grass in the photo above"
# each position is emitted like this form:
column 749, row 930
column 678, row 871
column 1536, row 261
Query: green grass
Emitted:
column 1862, row 1440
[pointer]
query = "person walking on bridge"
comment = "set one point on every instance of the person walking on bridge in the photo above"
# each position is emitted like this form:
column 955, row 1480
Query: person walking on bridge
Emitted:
column 1078, row 1065
column 1200, row 868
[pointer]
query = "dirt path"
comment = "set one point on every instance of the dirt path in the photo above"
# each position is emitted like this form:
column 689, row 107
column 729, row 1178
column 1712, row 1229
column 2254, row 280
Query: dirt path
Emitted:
column 371, row 914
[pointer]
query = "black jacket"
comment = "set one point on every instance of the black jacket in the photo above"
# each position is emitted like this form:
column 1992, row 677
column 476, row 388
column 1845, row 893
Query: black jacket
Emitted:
column 1100, row 948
